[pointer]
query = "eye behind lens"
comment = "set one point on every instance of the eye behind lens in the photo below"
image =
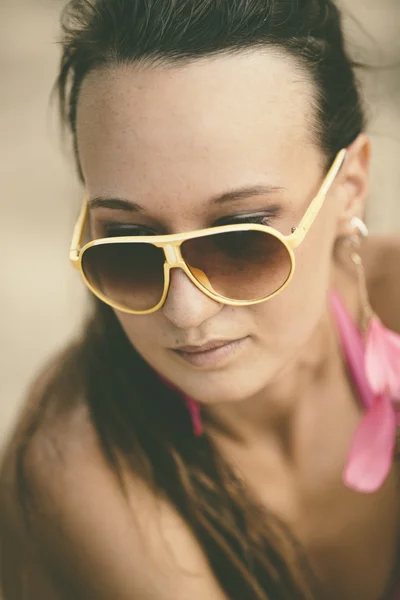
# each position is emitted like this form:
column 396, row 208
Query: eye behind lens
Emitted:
column 130, row 275
column 239, row 265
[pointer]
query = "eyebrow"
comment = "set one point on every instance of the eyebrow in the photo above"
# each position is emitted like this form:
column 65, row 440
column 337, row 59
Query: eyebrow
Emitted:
column 230, row 196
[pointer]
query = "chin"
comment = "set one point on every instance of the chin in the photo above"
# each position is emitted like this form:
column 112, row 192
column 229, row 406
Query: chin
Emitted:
column 214, row 387
column 232, row 377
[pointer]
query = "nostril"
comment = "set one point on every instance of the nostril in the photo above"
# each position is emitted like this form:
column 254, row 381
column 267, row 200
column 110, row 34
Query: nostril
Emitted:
column 187, row 306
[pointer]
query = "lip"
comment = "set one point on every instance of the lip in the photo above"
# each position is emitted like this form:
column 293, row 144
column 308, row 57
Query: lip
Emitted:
column 211, row 354
column 211, row 345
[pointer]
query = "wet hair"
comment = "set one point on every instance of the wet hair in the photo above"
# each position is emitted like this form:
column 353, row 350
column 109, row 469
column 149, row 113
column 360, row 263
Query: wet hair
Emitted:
column 253, row 554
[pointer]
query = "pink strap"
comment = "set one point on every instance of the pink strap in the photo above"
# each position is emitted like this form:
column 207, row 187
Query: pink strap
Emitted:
column 192, row 406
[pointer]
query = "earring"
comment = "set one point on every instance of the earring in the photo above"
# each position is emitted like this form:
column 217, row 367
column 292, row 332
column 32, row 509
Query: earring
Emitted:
column 382, row 346
column 359, row 224
column 374, row 443
column 355, row 241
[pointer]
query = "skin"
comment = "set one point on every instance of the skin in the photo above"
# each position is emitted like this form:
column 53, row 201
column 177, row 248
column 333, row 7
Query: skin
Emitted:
column 172, row 138
column 281, row 409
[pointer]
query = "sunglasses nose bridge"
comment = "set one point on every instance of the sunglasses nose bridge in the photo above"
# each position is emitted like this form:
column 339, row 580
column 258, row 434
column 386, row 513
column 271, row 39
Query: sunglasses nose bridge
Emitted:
column 173, row 256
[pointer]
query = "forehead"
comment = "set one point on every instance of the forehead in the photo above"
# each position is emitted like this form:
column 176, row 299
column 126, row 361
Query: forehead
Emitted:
column 195, row 125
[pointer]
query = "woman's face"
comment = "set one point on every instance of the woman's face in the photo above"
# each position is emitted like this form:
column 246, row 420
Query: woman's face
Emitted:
column 174, row 140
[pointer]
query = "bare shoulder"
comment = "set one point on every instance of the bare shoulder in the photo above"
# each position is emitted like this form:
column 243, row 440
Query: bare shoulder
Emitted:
column 381, row 256
column 95, row 543
column 22, row 576
column 21, row 572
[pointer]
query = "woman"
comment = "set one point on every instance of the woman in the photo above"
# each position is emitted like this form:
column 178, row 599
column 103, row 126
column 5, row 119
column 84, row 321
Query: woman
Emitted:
column 226, row 426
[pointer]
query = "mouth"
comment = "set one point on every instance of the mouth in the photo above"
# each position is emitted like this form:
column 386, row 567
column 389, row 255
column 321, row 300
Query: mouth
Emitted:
column 212, row 353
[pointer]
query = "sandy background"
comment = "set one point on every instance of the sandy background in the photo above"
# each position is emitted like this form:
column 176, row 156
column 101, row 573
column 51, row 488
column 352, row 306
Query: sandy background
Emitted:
column 41, row 297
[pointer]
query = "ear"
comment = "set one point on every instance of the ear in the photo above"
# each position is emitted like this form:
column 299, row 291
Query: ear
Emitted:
column 354, row 184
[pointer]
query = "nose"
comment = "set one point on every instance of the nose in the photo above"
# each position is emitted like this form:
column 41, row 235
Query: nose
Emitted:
column 186, row 306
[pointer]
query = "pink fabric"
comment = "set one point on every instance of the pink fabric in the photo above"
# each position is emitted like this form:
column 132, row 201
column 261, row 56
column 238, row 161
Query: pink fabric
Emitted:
column 382, row 360
column 374, row 365
column 373, row 446
column 192, row 406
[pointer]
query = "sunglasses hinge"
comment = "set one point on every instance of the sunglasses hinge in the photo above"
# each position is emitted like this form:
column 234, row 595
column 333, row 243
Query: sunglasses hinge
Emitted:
column 74, row 258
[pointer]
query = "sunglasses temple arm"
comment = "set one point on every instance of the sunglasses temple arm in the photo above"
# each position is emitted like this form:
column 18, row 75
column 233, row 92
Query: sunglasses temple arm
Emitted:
column 77, row 236
column 315, row 206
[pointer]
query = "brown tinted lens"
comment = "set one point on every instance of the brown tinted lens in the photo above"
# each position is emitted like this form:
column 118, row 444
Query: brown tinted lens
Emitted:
column 239, row 265
column 130, row 275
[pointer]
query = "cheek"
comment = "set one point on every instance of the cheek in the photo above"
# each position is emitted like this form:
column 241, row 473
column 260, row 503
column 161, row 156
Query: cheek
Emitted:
column 287, row 321
column 142, row 332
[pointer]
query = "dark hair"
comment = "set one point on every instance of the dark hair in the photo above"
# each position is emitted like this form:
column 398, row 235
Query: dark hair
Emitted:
column 252, row 553
column 105, row 32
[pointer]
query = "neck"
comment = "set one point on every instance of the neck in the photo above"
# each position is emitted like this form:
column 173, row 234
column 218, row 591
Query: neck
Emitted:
column 312, row 378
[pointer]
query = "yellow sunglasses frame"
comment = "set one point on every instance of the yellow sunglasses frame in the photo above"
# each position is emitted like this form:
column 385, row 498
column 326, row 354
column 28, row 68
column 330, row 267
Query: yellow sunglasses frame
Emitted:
column 171, row 245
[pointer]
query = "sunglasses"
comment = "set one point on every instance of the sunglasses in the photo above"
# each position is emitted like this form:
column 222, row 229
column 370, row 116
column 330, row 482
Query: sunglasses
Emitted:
column 239, row 265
